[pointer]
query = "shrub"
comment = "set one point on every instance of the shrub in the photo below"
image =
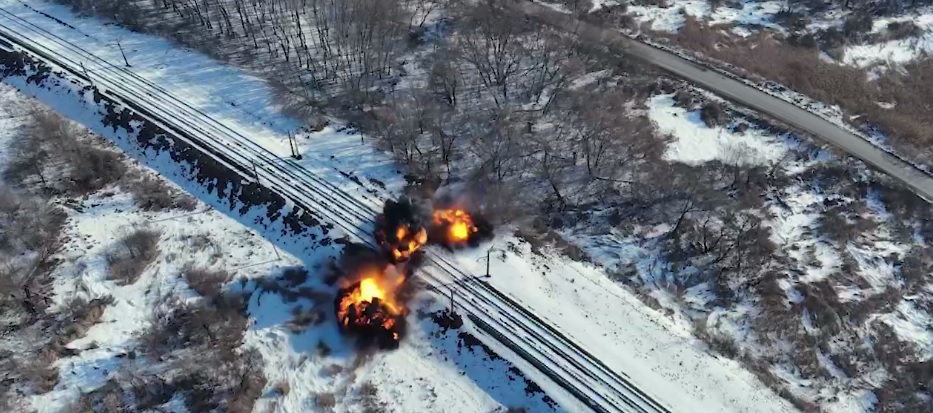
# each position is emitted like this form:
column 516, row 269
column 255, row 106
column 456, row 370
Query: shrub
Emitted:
column 820, row 298
column 898, row 30
column 294, row 276
column 282, row 387
column 201, row 340
column 153, row 194
column 132, row 254
column 218, row 324
column 369, row 397
column 207, row 283
column 857, row 24
column 683, row 99
column 80, row 315
column 325, row 401
column 93, row 168
column 713, row 114
column 28, row 223
column 41, row 374
column 836, row 227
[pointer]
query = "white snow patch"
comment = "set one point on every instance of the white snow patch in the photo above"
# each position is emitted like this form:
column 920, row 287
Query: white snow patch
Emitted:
column 913, row 325
column 695, row 143
column 671, row 18
column 893, row 52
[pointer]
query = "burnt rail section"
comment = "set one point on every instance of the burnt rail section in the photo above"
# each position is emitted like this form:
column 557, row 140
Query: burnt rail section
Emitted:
column 567, row 351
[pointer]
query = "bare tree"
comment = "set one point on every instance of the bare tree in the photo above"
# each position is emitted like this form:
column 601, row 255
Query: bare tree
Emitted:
column 490, row 45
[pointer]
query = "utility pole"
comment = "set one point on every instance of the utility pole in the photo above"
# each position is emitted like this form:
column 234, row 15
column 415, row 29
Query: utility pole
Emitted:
column 452, row 308
column 84, row 69
column 453, row 292
column 293, row 145
column 120, row 46
column 488, row 259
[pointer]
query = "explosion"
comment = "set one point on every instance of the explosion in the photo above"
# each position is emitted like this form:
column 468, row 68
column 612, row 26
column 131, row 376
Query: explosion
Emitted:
column 370, row 308
column 456, row 226
column 400, row 229
column 371, row 304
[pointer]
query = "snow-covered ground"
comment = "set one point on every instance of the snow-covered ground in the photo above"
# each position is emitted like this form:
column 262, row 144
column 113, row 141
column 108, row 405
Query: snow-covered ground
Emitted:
column 751, row 16
column 434, row 370
column 636, row 341
column 893, row 52
column 671, row 18
column 866, row 267
column 696, row 143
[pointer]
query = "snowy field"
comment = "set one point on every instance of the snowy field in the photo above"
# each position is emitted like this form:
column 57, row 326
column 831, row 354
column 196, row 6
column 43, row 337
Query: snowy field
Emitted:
column 637, row 341
column 696, row 143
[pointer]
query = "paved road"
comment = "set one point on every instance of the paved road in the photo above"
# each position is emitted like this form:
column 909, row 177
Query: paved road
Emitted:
column 738, row 92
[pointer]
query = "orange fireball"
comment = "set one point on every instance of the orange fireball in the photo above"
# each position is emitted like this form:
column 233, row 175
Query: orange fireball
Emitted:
column 458, row 223
column 370, row 306
column 407, row 243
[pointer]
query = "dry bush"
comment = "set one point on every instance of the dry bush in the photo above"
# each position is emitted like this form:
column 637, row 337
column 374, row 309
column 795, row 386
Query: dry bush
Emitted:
column 40, row 373
column 796, row 67
column 916, row 268
column 108, row 398
column 714, row 115
column 132, row 254
column 207, row 283
column 294, row 276
column 89, row 167
column 305, row 318
column 909, row 377
column 153, row 194
column 901, row 202
column 148, row 390
column 776, row 317
column 325, row 401
column 856, row 25
column 369, row 397
column 898, row 30
column 684, row 99
column 78, row 316
column 28, row 224
column 836, row 227
column 226, row 385
column 93, row 168
column 202, row 341
column 322, row 349
column 820, row 298
column 331, row 370
column 219, row 324
column 33, row 367
column 862, row 310
column 282, row 387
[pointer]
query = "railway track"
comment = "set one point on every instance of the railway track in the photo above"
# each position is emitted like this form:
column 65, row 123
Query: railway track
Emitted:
column 539, row 343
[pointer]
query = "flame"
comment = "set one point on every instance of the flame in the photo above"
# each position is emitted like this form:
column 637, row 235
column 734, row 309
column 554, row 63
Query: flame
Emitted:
column 371, row 302
column 407, row 243
column 459, row 224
